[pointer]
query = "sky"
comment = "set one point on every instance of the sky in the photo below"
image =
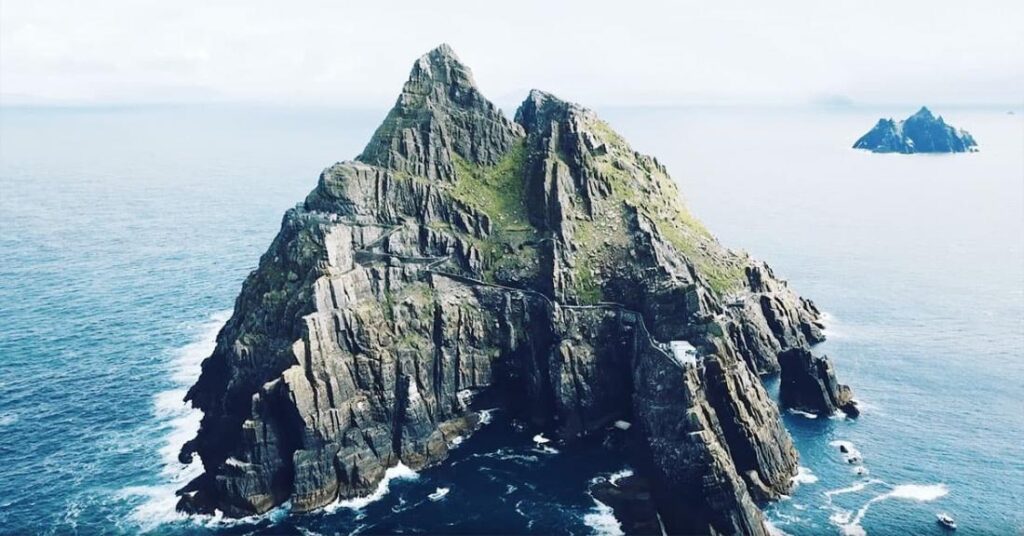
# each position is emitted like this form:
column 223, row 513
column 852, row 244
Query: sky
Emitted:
column 604, row 53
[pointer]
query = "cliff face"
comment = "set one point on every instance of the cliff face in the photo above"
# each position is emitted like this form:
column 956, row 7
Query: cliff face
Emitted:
column 463, row 256
column 919, row 133
column 808, row 383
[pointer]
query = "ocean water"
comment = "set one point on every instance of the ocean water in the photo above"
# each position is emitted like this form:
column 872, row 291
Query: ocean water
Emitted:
column 125, row 234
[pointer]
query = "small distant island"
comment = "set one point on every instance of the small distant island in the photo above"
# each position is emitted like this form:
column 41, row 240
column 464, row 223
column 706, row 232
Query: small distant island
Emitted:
column 919, row 133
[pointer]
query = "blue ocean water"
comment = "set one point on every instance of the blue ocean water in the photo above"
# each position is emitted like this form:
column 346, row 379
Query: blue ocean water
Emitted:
column 125, row 234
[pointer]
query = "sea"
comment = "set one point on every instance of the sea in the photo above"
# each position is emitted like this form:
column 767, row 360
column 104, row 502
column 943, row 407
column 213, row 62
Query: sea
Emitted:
column 125, row 234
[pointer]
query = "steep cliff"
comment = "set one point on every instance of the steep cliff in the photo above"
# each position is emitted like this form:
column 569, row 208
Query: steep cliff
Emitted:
column 464, row 256
column 919, row 133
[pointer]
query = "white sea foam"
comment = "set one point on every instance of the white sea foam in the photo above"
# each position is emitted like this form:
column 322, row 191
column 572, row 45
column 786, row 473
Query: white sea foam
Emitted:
column 523, row 512
column 601, row 518
column 919, row 492
column 615, row 477
column 486, row 416
column 803, row 413
column 7, row 419
column 397, row 472
column 540, row 439
column 841, row 517
column 833, row 328
column 910, row 492
column 804, row 476
column 181, row 423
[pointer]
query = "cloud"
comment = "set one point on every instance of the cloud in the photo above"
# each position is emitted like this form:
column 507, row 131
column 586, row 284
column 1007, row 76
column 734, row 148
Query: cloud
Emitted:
column 601, row 52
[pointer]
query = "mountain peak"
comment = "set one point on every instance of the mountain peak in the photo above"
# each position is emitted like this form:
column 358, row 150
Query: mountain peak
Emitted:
column 923, row 113
column 440, row 112
column 440, row 66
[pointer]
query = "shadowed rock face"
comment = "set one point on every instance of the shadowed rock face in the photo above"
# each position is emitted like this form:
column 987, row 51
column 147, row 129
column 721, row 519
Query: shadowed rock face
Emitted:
column 919, row 133
column 542, row 266
column 808, row 383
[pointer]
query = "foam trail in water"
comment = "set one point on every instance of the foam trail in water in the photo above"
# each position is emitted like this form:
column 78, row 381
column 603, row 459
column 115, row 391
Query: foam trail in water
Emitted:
column 397, row 472
column 852, row 489
column 181, row 423
column 912, row 492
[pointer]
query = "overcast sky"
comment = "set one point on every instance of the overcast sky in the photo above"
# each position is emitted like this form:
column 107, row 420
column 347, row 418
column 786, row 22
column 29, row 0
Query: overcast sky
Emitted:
column 357, row 54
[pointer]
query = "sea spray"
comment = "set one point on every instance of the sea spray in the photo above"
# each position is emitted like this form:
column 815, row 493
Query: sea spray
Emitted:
column 602, row 519
column 181, row 423
column 396, row 472
column 803, row 476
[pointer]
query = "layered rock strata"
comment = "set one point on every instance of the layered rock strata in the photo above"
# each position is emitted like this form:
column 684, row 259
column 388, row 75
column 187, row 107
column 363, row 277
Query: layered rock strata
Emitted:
column 463, row 255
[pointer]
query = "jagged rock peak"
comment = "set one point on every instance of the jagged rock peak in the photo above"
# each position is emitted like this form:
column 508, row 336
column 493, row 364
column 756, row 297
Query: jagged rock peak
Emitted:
column 441, row 69
column 923, row 113
column 541, row 107
column 919, row 133
column 440, row 116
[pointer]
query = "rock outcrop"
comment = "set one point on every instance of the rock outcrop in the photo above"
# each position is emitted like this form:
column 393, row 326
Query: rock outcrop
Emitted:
column 809, row 384
column 631, row 498
column 919, row 133
column 542, row 265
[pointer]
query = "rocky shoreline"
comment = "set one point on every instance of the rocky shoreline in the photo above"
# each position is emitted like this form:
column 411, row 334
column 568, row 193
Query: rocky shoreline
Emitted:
column 540, row 264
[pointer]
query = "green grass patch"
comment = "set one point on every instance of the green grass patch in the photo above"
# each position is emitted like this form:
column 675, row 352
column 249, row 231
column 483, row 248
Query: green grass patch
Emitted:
column 498, row 191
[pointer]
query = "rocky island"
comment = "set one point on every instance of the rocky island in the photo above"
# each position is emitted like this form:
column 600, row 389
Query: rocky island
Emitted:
column 919, row 133
column 465, row 261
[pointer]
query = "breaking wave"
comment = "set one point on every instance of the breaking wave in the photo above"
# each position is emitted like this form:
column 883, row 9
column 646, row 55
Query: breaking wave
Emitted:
column 615, row 477
column 804, row 476
column 181, row 423
column 397, row 472
column 601, row 518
